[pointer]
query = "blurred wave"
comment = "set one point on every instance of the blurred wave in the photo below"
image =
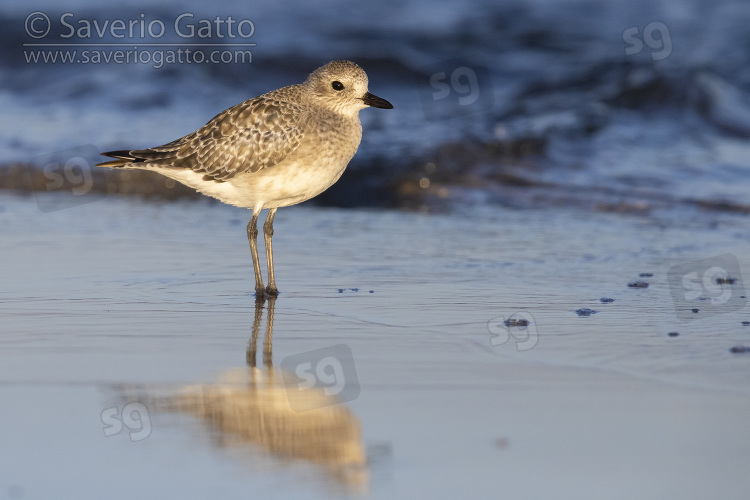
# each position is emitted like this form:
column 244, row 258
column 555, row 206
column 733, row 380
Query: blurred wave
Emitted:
column 600, row 104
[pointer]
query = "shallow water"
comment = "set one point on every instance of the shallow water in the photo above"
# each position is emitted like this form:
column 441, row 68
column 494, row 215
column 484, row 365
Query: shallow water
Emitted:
column 119, row 302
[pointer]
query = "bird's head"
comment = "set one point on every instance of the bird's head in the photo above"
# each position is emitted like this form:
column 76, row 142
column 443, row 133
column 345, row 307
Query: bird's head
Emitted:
column 342, row 87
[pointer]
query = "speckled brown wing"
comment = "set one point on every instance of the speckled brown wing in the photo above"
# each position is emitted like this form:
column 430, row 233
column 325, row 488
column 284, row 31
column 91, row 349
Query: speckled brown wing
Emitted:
column 251, row 136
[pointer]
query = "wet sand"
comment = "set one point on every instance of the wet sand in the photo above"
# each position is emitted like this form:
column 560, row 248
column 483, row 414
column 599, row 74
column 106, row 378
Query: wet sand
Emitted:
column 147, row 306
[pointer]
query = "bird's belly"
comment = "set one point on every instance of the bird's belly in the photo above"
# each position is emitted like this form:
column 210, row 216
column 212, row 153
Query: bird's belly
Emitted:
column 287, row 184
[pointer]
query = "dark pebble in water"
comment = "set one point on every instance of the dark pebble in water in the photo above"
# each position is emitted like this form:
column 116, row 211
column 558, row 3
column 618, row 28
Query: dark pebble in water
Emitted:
column 673, row 334
column 638, row 284
column 502, row 442
column 585, row 312
column 511, row 322
column 606, row 300
column 725, row 281
column 695, row 309
column 739, row 349
column 646, row 275
column 376, row 452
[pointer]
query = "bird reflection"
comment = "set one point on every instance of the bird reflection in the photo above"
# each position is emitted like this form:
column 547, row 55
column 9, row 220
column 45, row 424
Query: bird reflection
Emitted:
column 251, row 405
column 252, row 346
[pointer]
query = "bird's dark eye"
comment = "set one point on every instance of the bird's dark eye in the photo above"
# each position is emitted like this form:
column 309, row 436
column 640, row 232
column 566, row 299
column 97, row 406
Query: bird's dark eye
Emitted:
column 337, row 85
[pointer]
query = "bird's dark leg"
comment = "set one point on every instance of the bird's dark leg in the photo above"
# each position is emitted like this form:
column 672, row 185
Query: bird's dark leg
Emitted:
column 268, row 234
column 252, row 237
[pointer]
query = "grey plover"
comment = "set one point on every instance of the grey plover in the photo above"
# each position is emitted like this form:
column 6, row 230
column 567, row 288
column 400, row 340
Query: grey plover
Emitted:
column 275, row 150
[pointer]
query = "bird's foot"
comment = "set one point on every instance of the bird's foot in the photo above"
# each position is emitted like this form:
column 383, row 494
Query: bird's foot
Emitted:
column 264, row 293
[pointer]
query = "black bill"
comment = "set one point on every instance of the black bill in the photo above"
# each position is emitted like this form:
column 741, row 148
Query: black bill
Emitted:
column 376, row 102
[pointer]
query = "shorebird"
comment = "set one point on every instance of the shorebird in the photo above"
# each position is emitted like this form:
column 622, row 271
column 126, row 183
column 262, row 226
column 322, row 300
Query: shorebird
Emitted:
column 275, row 150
